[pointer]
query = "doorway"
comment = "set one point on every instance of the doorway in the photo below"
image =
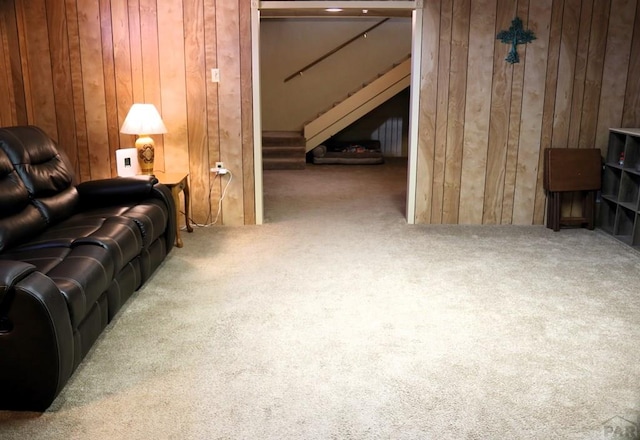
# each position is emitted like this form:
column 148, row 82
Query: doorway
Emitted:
column 269, row 9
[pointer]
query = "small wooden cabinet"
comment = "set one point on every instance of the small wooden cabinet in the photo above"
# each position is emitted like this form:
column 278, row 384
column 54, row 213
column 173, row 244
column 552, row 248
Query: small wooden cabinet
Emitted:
column 620, row 201
column 571, row 170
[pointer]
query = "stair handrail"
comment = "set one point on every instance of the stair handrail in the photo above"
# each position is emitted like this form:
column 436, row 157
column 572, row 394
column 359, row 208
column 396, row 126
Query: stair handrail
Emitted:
column 331, row 52
column 316, row 128
column 364, row 84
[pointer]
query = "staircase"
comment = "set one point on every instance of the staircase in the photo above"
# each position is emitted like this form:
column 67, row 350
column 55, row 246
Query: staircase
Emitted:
column 283, row 150
column 357, row 104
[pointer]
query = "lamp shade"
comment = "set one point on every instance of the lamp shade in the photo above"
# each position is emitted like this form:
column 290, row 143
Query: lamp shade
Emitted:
column 143, row 119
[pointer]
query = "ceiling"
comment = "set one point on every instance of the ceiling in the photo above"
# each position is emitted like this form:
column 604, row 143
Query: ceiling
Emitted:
column 349, row 9
column 315, row 13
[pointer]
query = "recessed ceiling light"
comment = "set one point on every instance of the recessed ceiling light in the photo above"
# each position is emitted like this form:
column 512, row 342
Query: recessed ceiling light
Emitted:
column 333, row 10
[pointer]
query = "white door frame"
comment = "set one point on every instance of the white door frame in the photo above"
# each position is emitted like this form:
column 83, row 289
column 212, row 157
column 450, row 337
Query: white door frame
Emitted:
column 257, row 112
column 414, row 110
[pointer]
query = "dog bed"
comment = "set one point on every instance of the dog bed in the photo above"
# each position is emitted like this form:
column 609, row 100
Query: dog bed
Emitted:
column 348, row 153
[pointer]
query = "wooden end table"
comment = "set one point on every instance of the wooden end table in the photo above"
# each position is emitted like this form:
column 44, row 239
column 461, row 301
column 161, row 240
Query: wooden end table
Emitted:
column 177, row 182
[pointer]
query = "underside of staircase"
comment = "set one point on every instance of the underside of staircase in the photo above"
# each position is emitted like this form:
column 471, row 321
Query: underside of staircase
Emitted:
column 358, row 103
column 283, row 150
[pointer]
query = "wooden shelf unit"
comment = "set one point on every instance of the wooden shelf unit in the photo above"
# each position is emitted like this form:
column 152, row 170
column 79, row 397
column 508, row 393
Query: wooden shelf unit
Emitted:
column 620, row 196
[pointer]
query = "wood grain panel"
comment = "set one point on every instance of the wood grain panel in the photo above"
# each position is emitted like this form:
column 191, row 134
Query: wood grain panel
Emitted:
column 61, row 74
column 135, row 41
column 529, row 149
column 593, row 77
column 565, row 82
column 555, row 33
column 110, row 86
column 89, row 26
column 457, row 99
column 551, row 80
column 151, row 70
column 579, row 77
column 23, row 57
column 566, row 70
column 499, row 119
column 477, row 111
column 213, row 139
column 427, row 113
column 196, row 105
column 83, row 166
column 173, row 89
column 631, row 112
column 41, row 100
column 6, row 117
column 440, row 150
column 246, row 91
column 230, row 117
column 515, row 112
column 17, row 75
column 120, row 61
column 7, row 111
column 616, row 64
column 15, row 82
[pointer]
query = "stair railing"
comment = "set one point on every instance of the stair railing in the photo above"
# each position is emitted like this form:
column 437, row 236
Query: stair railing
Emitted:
column 362, row 86
column 331, row 52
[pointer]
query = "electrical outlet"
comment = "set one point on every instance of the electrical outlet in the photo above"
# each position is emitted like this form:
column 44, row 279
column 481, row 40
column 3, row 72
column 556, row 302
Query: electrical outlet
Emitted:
column 219, row 169
column 215, row 75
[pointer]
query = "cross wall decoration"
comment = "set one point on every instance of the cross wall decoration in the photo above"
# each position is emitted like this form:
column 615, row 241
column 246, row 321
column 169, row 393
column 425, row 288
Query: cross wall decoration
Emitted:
column 515, row 35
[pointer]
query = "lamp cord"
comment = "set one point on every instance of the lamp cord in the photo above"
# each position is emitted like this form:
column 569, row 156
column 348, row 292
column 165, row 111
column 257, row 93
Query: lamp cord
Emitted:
column 222, row 196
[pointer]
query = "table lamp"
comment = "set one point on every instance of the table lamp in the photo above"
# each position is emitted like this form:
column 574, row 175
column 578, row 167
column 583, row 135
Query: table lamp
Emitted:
column 144, row 120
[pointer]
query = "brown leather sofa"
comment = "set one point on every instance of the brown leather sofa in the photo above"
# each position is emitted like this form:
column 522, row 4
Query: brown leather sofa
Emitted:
column 70, row 256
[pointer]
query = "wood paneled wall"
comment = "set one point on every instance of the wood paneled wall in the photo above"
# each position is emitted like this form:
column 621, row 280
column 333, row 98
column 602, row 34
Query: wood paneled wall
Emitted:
column 75, row 67
column 485, row 123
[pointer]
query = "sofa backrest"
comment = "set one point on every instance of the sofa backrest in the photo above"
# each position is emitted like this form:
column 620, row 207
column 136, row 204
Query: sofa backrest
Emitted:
column 19, row 218
column 46, row 177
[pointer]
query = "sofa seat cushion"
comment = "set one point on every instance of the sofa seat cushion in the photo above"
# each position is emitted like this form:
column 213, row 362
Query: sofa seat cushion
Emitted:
column 82, row 273
column 151, row 216
column 63, row 234
column 82, row 277
column 44, row 259
column 120, row 236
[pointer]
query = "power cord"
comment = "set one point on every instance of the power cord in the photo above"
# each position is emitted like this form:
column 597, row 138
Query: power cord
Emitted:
column 206, row 224
column 224, row 193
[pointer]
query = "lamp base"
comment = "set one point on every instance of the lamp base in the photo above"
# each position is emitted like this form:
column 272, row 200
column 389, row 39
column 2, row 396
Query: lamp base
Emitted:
column 146, row 153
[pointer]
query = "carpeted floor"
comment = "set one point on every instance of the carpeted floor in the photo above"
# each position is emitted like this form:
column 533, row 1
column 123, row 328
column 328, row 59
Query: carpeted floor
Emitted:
column 337, row 320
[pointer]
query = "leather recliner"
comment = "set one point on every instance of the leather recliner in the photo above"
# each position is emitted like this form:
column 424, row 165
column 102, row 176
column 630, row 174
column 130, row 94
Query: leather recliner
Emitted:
column 70, row 256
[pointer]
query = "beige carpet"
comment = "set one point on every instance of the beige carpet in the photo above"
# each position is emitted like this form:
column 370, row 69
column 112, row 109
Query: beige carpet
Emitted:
column 337, row 320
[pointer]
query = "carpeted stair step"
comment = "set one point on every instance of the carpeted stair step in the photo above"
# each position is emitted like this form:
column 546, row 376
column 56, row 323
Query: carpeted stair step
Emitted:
column 283, row 150
column 280, row 138
column 274, row 163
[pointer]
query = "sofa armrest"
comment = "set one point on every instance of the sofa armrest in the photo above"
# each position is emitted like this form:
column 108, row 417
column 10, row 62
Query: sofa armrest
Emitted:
column 105, row 192
column 36, row 339
column 10, row 273
column 122, row 190
column 163, row 193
